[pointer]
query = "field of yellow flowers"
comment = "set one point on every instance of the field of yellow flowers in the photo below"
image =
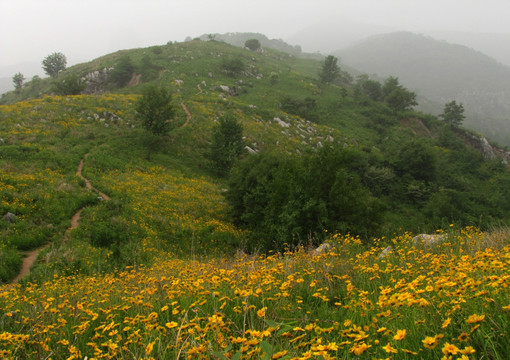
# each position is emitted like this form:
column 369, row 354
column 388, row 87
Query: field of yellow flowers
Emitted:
column 447, row 301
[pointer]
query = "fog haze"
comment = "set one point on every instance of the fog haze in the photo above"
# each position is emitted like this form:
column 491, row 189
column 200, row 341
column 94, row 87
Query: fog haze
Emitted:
column 84, row 30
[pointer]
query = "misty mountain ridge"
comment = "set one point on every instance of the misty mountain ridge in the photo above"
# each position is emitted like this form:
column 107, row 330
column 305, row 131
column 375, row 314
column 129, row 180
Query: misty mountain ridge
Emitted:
column 441, row 72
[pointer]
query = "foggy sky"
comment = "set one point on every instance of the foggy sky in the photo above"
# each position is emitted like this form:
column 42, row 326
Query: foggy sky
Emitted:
column 83, row 30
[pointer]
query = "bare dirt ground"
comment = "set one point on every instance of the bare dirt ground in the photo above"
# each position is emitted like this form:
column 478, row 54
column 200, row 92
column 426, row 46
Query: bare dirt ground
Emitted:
column 188, row 114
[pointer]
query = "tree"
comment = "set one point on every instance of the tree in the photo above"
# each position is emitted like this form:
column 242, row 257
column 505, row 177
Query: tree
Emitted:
column 232, row 67
column 252, row 44
column 227, row 144
column 122, row 72
column 69, row 85
column 370, row 88
column 53, row 64
column 18, row 79
column 154, row 108
column 330, row 70
column 453, row 113
column 396, row 96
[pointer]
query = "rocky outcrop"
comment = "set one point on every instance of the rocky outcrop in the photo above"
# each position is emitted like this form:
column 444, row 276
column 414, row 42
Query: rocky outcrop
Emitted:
column 96, row 81
column 481, row 144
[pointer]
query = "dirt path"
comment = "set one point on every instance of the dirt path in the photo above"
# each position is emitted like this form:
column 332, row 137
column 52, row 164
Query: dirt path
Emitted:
column 188, row 114
column 31, row 256
column 87, row 182
column 27, row 263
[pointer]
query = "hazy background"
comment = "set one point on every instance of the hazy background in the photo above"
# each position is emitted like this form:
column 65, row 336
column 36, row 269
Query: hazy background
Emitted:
column 83, row 30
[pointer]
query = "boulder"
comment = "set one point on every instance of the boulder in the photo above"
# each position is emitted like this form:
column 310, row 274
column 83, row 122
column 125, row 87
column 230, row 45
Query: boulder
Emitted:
column 323, row 248
column 427, row 239
column 386, row 252
column 9, row 217
column 281, row 122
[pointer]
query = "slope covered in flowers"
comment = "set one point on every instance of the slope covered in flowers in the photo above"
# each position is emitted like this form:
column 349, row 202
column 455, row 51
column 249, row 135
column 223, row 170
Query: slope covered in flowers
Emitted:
column 448, row 301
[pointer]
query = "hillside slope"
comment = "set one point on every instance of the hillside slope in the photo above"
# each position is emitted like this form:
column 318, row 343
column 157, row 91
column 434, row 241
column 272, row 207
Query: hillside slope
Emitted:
column 413, row 172
column 441, row 72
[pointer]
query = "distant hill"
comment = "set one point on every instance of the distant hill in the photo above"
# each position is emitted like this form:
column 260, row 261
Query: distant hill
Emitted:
column 441, row 72
column 329, row 36
column 6, row 85
column 493, row 44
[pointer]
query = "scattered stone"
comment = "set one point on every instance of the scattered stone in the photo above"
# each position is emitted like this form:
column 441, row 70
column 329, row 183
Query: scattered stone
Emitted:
column 250, row 150
column 2, row 141
column 179, row 82
column 323, row 248
column 225, row 88
column 252, row 106
column 385, row 253
column 427, row 239
column 9, row 217
column 281, row 122
column 319, row 145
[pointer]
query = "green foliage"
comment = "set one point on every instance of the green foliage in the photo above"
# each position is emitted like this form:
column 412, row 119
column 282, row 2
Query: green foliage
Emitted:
column 330, row 70
column 396, row 96
column 10, row 263
column 154, row 108
column 54, row 64
column 69, row 85
column 306, row 108
column 232, row 67
column 227, row 144
column 148, row 69
column 252, row 44
column 18, row 79
column 122, row 71
column 370, row 88
column 292, row 200
column 156, row 112
column 453, row 113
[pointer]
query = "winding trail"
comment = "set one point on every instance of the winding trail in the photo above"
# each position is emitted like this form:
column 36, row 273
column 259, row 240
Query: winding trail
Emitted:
column 31, row 256
column 188, row 114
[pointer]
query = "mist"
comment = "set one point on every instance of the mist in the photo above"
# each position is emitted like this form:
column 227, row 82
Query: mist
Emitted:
column 84, row 30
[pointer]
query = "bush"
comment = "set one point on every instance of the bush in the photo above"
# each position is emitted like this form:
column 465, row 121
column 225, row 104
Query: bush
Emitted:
column 69, row 85
column 227, row 144
column 252, row 44
column 122, row 72
column 306, row 108
column 292, row 200
column 232, row 67
column 10, row 263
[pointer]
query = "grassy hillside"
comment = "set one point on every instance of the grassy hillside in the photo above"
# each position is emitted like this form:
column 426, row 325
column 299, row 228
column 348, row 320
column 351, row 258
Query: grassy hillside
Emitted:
column 155, row 269
column 441, row 72
column 416, row 173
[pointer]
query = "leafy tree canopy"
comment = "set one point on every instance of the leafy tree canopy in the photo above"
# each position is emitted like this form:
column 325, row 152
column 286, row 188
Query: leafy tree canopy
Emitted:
column 155, row 110
column 54, row 64
column 330, row 70
column 122, row 72
column 252, row 44
column 227, row 144
column 18, row 79
column 453, row 113
column 398, row 97
column 69, row 85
